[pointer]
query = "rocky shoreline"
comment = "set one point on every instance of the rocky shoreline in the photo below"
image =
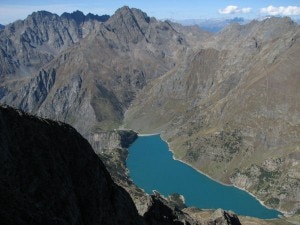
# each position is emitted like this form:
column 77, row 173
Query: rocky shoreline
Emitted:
column 261, row 202
column 220, row 182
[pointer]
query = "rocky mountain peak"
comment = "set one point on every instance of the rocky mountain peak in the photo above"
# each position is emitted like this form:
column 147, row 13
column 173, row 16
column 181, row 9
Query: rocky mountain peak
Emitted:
column 129, row 24
column 254, row 34
column 40, row 37
column 274, row 27
column 40, row 17
column 77, row 16
column 125, row 10
column 80, row 18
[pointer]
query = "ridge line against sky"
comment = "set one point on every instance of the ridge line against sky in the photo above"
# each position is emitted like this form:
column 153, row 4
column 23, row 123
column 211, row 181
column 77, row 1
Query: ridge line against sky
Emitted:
column 12, row 10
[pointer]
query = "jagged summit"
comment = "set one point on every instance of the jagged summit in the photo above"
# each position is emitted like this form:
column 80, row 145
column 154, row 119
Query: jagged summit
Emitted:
column 31, row 43
column 42, row 15
column 126, row 11
column 79, row 17
column 130, row 25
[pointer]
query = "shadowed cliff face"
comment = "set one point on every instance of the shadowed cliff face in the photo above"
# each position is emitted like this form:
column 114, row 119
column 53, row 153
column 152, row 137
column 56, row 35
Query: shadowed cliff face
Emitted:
column 50, row 175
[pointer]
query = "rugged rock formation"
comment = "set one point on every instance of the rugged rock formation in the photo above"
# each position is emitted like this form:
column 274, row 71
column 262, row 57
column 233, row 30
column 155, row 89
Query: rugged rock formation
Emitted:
column 111, row 147
column 161, row 212
column 51, row 175
column 25, row 46
column 218, row 217
column 121, row 139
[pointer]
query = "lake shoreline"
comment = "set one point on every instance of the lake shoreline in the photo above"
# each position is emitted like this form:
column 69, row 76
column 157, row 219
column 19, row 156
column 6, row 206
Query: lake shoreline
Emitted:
column 228, row 185
column 146, row 135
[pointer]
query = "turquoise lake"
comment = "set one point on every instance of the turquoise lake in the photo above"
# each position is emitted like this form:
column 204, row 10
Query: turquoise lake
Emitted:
column 152, row 167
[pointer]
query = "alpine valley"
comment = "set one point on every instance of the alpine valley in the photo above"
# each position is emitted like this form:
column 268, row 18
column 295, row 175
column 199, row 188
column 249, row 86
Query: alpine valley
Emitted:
column 227, row 103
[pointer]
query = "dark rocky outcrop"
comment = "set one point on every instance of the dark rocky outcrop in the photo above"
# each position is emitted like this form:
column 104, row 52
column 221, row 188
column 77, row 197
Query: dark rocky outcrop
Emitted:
column 217, row 217
column 116, row 139
column 51, row 175
column 161, row 212
column 221, row 217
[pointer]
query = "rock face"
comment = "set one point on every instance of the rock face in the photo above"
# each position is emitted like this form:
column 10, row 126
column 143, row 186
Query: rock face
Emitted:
column 218, row 217
column 27, row 45
column 160, row 212
column 51, row 175
column 117, row 139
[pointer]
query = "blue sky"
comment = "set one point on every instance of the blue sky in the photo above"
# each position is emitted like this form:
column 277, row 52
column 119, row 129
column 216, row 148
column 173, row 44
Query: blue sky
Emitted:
column 11, row 10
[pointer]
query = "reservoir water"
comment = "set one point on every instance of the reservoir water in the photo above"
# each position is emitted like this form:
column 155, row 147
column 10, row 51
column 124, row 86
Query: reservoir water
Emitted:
column 152, row 167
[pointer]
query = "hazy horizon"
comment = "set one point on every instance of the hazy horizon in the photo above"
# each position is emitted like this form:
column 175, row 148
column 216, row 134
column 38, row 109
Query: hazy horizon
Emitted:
column 11, row 11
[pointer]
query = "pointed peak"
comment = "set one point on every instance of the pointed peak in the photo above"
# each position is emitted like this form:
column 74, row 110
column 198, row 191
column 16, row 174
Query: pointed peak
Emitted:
column 41, row 15
column 123, row 9
column 126, row 12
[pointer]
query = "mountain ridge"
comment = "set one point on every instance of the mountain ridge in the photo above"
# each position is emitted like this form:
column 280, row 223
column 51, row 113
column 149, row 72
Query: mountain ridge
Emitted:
column 50, row 174
column 42, row 36
column 141, row 53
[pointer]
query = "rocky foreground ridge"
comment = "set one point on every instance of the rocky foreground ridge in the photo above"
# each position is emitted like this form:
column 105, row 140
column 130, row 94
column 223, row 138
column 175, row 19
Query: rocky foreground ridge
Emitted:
column 51, row 175
column 227, row 103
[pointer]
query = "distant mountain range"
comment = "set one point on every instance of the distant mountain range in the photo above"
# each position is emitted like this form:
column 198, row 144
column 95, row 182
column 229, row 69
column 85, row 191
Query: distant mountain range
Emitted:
column 216, row 25
column 227, row 103
column 212, row 25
